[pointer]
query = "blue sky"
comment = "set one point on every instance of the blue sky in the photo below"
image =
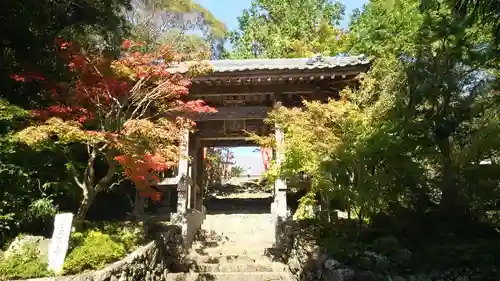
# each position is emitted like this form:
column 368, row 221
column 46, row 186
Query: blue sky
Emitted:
column 227, row 11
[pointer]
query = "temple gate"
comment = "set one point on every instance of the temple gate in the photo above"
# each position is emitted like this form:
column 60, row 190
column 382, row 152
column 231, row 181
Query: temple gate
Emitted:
column 243, row 92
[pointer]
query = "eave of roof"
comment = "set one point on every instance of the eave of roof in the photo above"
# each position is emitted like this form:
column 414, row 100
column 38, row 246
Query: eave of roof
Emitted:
column 299, row 64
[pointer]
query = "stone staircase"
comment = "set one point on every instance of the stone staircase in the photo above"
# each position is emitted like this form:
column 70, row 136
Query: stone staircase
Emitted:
column 231, row 247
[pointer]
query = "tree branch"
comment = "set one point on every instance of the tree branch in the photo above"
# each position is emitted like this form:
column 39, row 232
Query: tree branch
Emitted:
column 89, row 175
column 117, row 183
column 104, row 181
column 73, row 171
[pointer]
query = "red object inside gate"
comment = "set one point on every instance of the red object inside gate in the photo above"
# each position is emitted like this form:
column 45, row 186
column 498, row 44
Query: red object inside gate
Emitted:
column 266, row 156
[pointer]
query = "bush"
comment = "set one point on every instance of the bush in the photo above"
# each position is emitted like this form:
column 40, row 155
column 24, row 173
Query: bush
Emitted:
column 129, row 235
column 96, row 250
column 23, row 264
column 91, row 249
column 100, row 245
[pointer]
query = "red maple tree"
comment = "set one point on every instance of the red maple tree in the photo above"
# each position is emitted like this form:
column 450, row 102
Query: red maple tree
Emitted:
column 126, row 111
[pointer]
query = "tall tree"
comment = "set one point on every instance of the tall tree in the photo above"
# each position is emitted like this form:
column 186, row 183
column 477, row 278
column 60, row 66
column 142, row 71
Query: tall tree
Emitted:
column 382, row 30
column 425, row 115
column 447, row 76
column 484, row 11
column 217, row 163
column 455, row 98
column 27, row 50
column 185, row 25
column 288, row 28
column 29, row 42
column 119, row 112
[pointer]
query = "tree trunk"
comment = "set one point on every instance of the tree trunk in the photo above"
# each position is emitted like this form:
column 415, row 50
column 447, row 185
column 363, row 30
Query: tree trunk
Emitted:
column 448, row 185
column 360, row 222
column 138, row 205
column 88, row 184
column 87, row 199
column 83, row 209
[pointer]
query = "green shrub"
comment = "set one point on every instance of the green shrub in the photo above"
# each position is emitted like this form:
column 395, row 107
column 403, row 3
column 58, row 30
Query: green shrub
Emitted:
column 386, row 245
column 23, row 264
column 91, row 249
column 128, row 235
column 100, row 245
column 96, row 250
column 76, row 239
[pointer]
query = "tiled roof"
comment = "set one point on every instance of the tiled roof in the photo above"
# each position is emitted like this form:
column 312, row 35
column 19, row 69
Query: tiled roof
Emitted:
column 316, row 62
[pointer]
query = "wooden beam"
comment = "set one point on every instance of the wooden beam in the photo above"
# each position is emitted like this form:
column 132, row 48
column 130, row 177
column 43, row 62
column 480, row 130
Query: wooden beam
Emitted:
column 227, row 142
column 280, row 73
column 235, row 113
column 199, row 90
column 231, row 128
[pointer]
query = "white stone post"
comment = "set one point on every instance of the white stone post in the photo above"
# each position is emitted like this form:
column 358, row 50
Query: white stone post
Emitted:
column 60, row 241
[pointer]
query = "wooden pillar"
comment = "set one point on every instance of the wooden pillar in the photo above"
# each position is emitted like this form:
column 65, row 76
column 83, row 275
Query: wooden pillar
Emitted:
column 199, row 177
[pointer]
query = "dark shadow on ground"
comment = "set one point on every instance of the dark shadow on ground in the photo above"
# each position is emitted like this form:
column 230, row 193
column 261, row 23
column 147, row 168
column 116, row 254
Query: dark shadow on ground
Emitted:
column 238, row 205
column 208, row 239
column 204, row 240
column 252, row 186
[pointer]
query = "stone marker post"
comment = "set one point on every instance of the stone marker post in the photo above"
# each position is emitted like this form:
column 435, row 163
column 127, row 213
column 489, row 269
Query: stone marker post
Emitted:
column 59, row 242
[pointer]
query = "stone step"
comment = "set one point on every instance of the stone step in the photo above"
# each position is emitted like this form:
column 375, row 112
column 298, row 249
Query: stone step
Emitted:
column 230, row 251
column 256, row 236
column 251, row 232
column 246, row 240
column 225, row 233
column 234, row 238
column 249, row 242
column 229, row 276
column 226, row 255
column 227, row 258
column 241, row 267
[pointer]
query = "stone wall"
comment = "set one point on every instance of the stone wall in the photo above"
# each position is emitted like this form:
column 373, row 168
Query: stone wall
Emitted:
column 194, row 220
column 296, row 246
column 308, row 261
column 151, row 262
